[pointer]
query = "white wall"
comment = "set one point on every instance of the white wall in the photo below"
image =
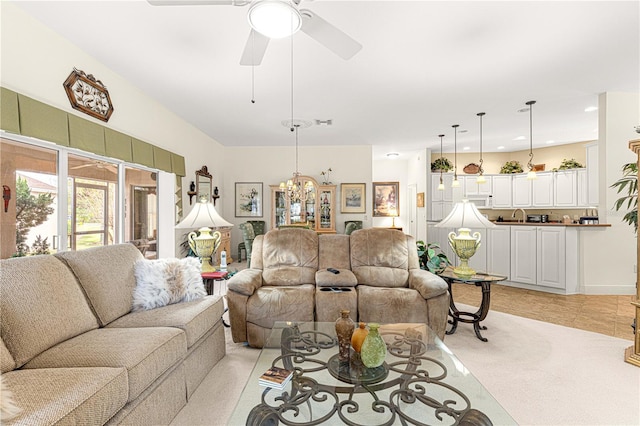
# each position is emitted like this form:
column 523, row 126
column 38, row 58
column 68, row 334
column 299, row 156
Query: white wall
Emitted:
column 609, row 255
column 418, row 164
column 272, row 165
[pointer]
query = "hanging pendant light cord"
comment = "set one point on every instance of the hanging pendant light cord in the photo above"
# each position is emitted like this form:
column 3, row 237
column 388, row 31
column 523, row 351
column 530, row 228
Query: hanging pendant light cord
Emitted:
column 455, row 152
column 292, row 82
column 441, row 136
column 530, row 165
column 481, row 114
column 253, row 67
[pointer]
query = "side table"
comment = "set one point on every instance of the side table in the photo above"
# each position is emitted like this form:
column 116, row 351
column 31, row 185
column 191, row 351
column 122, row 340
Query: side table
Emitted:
column 209, row 279
column 479, row 280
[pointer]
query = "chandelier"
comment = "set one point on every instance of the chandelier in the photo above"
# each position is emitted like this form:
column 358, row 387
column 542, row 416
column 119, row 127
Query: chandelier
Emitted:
column 295, row 189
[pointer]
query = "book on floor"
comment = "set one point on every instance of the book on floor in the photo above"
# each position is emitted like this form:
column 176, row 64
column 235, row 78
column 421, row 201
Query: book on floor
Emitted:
column 275, row 377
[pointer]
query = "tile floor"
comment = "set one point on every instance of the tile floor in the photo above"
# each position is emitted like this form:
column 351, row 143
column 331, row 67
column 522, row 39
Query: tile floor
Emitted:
column 610, row 315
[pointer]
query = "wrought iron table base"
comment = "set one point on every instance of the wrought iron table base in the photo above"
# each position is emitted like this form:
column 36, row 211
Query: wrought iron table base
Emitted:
column 459, row 316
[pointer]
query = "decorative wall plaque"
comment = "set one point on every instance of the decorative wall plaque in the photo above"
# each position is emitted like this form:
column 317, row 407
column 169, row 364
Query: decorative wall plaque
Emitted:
column 88, row 95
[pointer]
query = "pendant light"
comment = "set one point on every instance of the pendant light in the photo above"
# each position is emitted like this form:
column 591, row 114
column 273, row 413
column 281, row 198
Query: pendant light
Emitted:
column 441, row 186
column 481, row 179
column 455, row 183
column 531, row 175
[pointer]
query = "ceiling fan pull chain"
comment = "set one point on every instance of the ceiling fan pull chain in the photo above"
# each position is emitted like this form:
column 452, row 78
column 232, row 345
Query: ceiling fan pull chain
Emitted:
column 292, row 122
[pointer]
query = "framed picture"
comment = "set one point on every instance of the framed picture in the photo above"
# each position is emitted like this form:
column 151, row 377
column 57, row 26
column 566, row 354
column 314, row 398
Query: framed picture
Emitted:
column 420, row 199
column 248, row 199
column 353, row 197
column 385, row 199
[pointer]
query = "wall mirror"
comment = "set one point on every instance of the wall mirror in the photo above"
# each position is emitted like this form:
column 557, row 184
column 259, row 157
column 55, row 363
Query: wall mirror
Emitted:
column 203, row 184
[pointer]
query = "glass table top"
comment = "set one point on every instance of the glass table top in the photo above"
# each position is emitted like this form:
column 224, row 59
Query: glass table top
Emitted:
column 424, row 383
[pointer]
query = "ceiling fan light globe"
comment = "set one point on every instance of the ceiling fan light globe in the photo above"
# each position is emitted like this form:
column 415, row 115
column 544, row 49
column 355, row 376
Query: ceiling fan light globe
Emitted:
column 274, row 18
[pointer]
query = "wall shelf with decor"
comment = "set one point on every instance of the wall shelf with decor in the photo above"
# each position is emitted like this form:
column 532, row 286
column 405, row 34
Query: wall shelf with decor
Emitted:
column 318, row 211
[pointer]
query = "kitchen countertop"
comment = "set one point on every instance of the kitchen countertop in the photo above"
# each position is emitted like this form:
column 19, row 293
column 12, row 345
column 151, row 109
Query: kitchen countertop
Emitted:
column 578, row 225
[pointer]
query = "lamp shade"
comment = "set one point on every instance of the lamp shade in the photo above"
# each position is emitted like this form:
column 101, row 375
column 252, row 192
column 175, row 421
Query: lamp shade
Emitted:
column 203, row 215
column 465, row 215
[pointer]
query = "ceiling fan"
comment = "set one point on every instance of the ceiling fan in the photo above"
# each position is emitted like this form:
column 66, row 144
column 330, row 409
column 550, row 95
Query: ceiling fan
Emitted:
column 294, row 19
column 98, row 165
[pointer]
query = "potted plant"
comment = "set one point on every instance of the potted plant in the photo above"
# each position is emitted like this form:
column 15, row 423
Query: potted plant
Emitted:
column 512, row 166
column 432, row 258
column 628, row 185
column 441, row 163
column 569, row 164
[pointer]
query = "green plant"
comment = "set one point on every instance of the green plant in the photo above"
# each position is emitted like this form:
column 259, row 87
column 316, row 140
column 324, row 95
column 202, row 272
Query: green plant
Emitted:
column 512, row 166
column 628, row 184
column 569, row 164
column 441, row 163
column 432, row 258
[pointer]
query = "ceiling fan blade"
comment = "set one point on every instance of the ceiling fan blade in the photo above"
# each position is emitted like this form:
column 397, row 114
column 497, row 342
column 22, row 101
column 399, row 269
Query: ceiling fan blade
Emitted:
column 198, row 2
column 255, row 49
column 326, row 34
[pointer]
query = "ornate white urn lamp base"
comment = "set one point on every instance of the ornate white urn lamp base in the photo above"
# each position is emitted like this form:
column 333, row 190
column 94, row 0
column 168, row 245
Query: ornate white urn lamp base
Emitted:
column 464, row 245
column 204, row 244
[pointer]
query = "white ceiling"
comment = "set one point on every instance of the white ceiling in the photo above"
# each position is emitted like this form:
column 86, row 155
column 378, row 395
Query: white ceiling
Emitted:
column 424, row 66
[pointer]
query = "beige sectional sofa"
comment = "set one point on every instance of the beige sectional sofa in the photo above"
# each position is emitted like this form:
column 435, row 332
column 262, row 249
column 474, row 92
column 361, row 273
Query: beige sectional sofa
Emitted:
column 72, row 352
column 379, row 280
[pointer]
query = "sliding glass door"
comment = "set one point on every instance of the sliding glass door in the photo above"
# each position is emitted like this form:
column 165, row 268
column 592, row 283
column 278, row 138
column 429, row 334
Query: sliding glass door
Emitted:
column 61, row 199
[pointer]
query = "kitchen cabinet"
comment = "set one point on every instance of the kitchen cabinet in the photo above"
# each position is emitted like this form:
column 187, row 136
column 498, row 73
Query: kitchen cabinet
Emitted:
column 566, row 188
column 441, row 201
column 501, row 191
column 440, row 236
column 538, row 256
column 520, row 191
column 440, row 209
column 472, row 187
column 542, row 191
column 499, row 251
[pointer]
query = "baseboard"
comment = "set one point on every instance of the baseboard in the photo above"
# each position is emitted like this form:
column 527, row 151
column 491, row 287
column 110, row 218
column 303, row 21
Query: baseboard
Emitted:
column 614, row 290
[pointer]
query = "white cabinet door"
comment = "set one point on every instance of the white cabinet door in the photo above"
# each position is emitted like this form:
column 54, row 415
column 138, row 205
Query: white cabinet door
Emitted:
column 523, row 254
column 435, row 194
column 542, row 190
column 440, row 209
column 447, row 193
column 521, row 191
column 499, row 250
column 566, row 188
column 479, row 260
column 583, row 189
column 592, row 175
column 501, row 191
column 472, row 187
column 551, row 252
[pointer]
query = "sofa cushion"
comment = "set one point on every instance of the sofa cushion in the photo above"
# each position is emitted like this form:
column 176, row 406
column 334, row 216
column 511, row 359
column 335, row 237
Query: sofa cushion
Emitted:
column 196, row 318
column 271, row 304
column 333, row 251
column 7, row 363
column 162, row 282
column 290, row 257
column 41, row 305
column 380, row 257
column 67, row 396
column 106, row 275
column 146, row 353
column 391, row 305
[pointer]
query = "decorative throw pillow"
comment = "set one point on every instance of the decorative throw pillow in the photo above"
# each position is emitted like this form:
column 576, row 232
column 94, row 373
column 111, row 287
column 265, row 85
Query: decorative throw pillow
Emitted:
column 165, row 281
column 8, row 408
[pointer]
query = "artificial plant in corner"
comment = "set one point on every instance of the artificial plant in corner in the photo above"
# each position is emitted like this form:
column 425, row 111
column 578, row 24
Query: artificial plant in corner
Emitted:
column 431, row 257
column 628, row 185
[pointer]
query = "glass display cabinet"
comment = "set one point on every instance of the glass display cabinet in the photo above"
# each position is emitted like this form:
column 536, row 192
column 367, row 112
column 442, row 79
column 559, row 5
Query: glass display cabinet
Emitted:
column 317, row 212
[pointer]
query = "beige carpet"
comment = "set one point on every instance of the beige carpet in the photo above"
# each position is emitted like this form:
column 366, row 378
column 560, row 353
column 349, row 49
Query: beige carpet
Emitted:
column 541, row 373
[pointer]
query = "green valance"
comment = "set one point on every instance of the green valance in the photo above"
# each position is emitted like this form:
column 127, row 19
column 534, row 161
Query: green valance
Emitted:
column 23, row 115
column 42, row 121
column 9, row 113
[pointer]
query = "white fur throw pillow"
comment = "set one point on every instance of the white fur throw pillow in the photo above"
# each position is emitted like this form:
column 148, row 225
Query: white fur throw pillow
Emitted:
column 8, row 408
column 165, row 281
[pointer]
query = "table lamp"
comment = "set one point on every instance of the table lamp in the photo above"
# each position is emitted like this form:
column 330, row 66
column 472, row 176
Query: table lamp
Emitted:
column 393, row 213
column 465, row 215
column 204, row 242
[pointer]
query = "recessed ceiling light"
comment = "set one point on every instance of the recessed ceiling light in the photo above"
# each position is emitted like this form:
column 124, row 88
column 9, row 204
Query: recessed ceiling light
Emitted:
column 462, row 131
column 520, row 138
column 550, row 142
column 591, row 109
column 501, row 147
column 393, row 155
column 523, row 110
column 466, row 148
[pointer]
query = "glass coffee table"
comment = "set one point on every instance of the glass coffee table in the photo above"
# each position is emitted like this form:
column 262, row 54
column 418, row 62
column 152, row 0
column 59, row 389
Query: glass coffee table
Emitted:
column 421, row 382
